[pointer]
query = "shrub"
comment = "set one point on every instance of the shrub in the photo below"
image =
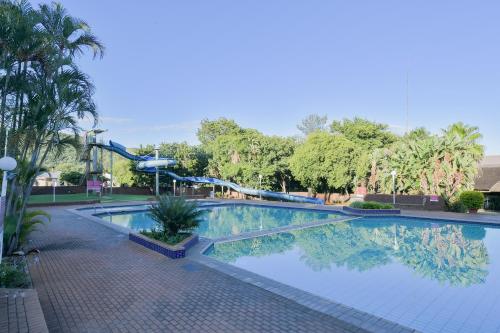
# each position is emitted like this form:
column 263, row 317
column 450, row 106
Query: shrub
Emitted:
column 173, row 215
column 472, row 199
column 30, row 221
column 72, row 177
column 371, row 205
column 13, row 275
column 457, row 207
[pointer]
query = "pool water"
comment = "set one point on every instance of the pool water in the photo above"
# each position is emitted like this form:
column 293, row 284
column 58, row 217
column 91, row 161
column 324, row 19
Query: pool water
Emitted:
column 427, row 275
column 233, row 220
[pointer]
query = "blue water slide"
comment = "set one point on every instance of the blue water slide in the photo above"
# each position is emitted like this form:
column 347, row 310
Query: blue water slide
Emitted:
column 122, row 151
column 246, row 190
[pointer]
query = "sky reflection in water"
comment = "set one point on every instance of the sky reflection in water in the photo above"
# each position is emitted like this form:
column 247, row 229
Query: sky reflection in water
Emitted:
column 428, row 276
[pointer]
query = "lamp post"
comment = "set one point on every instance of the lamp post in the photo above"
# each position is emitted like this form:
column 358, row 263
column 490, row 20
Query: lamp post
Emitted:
column 393, row 174
column 260, row 186
column 54, row 183
column 6, row 164
column 111, row 172
column 175, row 181
column 157, row 174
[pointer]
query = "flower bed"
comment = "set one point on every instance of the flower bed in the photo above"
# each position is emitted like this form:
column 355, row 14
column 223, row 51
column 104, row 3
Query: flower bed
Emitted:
column 172, row 251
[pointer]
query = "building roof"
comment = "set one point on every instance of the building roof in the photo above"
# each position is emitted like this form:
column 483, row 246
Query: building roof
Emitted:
column 49, row 175
column 488, row 179
column 490, row 161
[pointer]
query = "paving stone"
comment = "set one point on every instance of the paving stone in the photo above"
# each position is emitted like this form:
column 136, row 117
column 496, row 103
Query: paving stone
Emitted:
column 20, row 311
column 90, row 280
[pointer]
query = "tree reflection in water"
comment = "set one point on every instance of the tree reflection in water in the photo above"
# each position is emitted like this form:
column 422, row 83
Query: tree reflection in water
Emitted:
column 235, row 220
column 448, row 253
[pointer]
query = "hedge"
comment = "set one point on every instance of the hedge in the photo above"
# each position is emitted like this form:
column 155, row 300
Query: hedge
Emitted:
column 370, row 205
column 472, row 199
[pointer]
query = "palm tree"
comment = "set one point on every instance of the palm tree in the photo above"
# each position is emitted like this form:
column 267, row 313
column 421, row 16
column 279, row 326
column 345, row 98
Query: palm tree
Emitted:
column 43, row 93
column 68, row 34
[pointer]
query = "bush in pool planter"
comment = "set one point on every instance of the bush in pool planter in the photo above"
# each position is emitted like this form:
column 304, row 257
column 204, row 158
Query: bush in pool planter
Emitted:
column 472, row 200
column 175, row 217
column 370, row 205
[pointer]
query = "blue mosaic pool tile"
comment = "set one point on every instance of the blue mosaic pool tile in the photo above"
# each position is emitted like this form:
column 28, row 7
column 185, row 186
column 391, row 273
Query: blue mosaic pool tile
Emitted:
column 179, row 252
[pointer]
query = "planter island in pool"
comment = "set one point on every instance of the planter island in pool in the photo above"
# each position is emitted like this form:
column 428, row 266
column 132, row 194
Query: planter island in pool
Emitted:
column 172, row 251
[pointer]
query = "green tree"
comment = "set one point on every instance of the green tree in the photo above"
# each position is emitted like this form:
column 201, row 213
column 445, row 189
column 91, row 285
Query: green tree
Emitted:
column 324, row 162
column 367, row 136
column 43, row 92
column 211, row 129
column 437, row 164
column 241, row 157
column 312, row 123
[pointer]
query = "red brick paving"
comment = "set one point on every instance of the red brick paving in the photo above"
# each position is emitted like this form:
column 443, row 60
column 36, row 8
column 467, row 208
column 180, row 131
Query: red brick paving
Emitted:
column 90, row 278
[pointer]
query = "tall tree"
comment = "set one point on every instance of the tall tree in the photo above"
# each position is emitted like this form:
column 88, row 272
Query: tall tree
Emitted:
column 364, row 133
column 367, row 136
column 324, row 162
column 211, row 129
column 436, row 164
column 43, row 92
column 241, row 157
column 312, row 123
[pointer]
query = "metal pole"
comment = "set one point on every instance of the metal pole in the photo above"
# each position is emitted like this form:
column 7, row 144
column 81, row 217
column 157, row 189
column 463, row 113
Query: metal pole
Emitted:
column 157, row 175
column 260, row 187
column 174, row 186
column 393, row 189
column 111, row 173
column 94, row 159
column 393, row 174
column 3, row 196
column 53, row 189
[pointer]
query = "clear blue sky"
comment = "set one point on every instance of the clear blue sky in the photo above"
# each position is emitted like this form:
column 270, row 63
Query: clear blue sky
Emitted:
column 269, row 63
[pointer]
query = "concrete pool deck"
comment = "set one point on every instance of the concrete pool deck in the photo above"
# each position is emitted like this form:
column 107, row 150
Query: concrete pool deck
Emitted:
column 90, row 278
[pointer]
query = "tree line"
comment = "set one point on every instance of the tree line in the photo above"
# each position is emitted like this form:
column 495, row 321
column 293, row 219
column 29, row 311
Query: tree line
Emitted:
column 337, row 157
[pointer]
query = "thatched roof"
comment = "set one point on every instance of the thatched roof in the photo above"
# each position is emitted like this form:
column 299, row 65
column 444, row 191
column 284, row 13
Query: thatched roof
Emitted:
column 488, row 179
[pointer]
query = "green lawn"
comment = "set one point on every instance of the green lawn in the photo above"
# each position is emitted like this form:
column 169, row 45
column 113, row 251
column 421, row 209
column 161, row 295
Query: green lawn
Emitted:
column 47, row 198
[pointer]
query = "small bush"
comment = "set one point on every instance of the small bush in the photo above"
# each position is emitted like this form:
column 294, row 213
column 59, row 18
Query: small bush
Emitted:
column 30, row 221
column 472, row 199
column 371, row 205
column 457, row 207
column 12, row 275
column 174, row 215
column 72, row 177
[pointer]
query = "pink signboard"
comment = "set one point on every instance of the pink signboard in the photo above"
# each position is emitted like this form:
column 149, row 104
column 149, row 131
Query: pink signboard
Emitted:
column 94, row 185
column 434, row 198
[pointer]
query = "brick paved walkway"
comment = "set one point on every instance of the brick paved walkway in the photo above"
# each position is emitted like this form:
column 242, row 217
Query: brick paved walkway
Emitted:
column 90, row 278
column 20, row 311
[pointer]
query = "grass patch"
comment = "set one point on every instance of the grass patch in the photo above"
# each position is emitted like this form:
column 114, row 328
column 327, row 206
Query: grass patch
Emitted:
column 371, row 205
column 170, row 240
column 82, row 197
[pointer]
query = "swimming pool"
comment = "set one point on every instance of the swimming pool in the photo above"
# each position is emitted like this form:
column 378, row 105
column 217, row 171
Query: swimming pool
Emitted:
column 230, row 220
column 429, row 275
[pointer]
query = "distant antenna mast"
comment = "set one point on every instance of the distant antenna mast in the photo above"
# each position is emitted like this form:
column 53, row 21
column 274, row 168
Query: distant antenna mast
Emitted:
column 407, row 104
